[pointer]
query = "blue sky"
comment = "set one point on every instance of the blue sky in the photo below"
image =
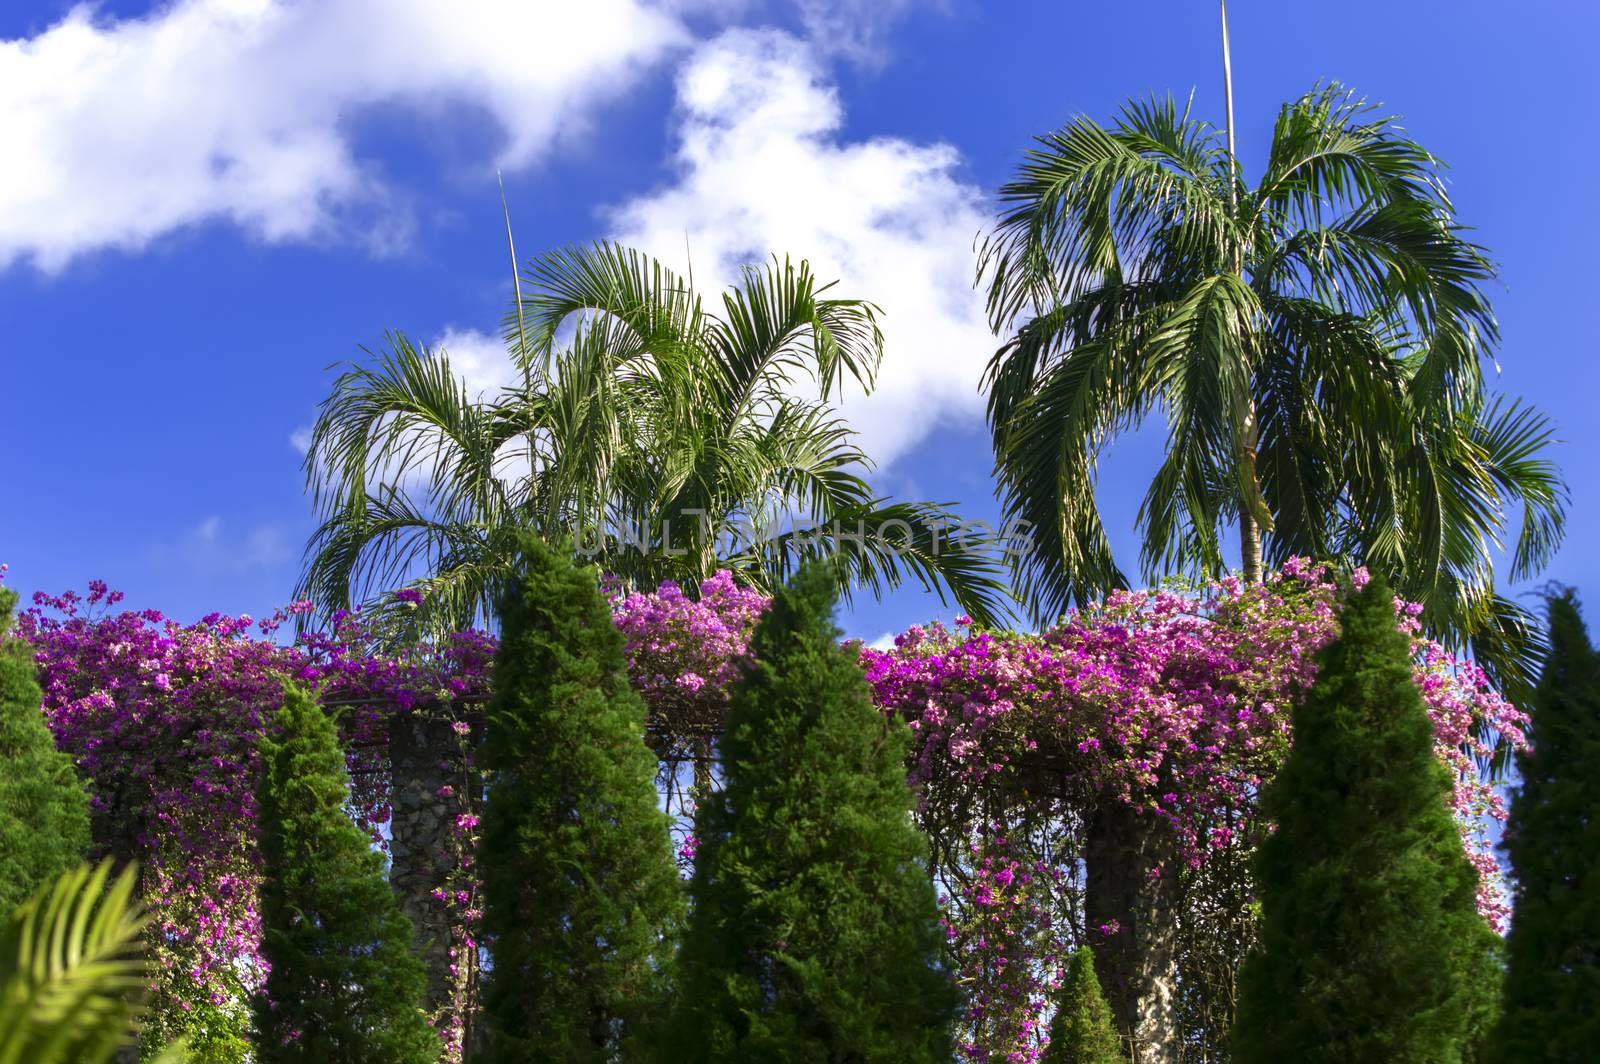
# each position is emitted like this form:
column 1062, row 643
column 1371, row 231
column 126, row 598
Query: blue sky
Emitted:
column 205, row 204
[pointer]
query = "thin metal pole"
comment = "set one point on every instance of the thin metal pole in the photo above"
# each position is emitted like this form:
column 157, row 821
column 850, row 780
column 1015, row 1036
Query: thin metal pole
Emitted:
column 1249, row 528
column 523, row 354
column 516, row 280
column 1227, row 93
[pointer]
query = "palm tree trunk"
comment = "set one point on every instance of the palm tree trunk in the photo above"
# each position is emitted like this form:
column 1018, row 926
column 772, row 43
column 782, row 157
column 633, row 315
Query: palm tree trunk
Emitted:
column 1130, row 861
column 1250, row 546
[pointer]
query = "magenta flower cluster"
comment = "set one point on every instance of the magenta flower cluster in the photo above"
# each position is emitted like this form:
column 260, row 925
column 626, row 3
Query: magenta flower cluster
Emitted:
column 1175, row 702
column 1006, row 935
column 683, row 652
column 166, row 721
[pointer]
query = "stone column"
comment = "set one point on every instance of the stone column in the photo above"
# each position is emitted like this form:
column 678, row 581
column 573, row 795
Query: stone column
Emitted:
column 429, row 792
column 1137, row 956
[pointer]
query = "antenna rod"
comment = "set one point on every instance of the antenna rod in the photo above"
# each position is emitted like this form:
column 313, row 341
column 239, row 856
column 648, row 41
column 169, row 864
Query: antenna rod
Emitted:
column 516, row 280
column 1227, row 92
column 522, row 328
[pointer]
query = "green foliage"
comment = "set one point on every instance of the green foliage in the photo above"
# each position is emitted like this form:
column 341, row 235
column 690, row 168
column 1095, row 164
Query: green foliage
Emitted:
column 72, row 971
column 44, row 812
column 1314, row 343
column 210, row 1033
column 813, row 932
column 582, row 897
column 1552, row 988
column 1371, row 946
column 680, row 429
column 1082, row 1031
column 345, row 987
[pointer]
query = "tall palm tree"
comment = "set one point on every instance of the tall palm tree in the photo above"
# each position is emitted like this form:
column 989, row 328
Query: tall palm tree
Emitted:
column 1314, row 344
column 664, row 439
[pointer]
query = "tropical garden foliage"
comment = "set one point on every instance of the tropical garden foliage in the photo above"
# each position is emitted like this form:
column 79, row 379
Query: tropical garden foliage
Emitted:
column 581, row 896
column 1172, row 705
column 814, row 932
column 167, row 723
column 44, row 812
column 666, row 439
column 342, row 982
column 72, row 973
column 1226, row 818
column 1314, row 343
column 1371, row 948
column 1082, row 1030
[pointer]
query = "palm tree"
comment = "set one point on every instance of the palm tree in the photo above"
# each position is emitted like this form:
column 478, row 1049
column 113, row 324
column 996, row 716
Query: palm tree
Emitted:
column 1314, row 344
column 665, row 440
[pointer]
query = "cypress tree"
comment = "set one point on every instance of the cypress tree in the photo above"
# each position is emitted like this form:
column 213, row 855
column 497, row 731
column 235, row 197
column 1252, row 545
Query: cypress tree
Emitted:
column 813, row 931
column 44, row 812
column 344, row 986
column 1552, row 988
column 1371, row 945
column 582, row 895
column 1082, row 1031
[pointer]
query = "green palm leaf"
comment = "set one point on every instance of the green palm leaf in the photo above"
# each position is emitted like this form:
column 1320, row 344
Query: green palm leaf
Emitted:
column 1314, row 344
column 642, row 419
column 73, row 972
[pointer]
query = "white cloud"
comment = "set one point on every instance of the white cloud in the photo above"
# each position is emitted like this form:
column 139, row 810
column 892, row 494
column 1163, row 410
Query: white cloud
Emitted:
column 853, row 27
column 207, row 548
column 762, row 168
column 479, row 359
column 116, row 132
column 883, row 643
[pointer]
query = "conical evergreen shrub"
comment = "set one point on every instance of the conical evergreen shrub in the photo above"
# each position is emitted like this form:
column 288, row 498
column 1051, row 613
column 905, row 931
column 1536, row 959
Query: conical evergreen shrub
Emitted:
column 1371, row 946
column 1082, row 1031
column 1552, row 988
column 344, row 986
column 813, row 931
column 44, row 812
column 582, row 895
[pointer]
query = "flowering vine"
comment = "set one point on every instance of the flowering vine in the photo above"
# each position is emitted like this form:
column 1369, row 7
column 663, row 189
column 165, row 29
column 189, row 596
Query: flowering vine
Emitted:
column 1006, row 930
column 166, row 720
column 1174, row 702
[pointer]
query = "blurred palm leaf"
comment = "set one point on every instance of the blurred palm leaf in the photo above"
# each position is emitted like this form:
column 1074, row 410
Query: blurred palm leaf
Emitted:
column 73, row 972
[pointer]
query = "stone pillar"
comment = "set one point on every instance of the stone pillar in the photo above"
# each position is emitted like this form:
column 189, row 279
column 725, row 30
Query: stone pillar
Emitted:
column 1137, row 956
column 431, row 788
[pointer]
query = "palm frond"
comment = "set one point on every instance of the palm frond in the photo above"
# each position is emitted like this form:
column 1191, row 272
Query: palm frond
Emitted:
column 879, row 545
column 1330, row 148
column 1044, row 460
column 1316, row 347
column 1089, row 205
column 641, row 418
column 652, row 307
column 382, row 542
column 72, row 970
column 776, row 324
column 408, row 412
column 1513, row 441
